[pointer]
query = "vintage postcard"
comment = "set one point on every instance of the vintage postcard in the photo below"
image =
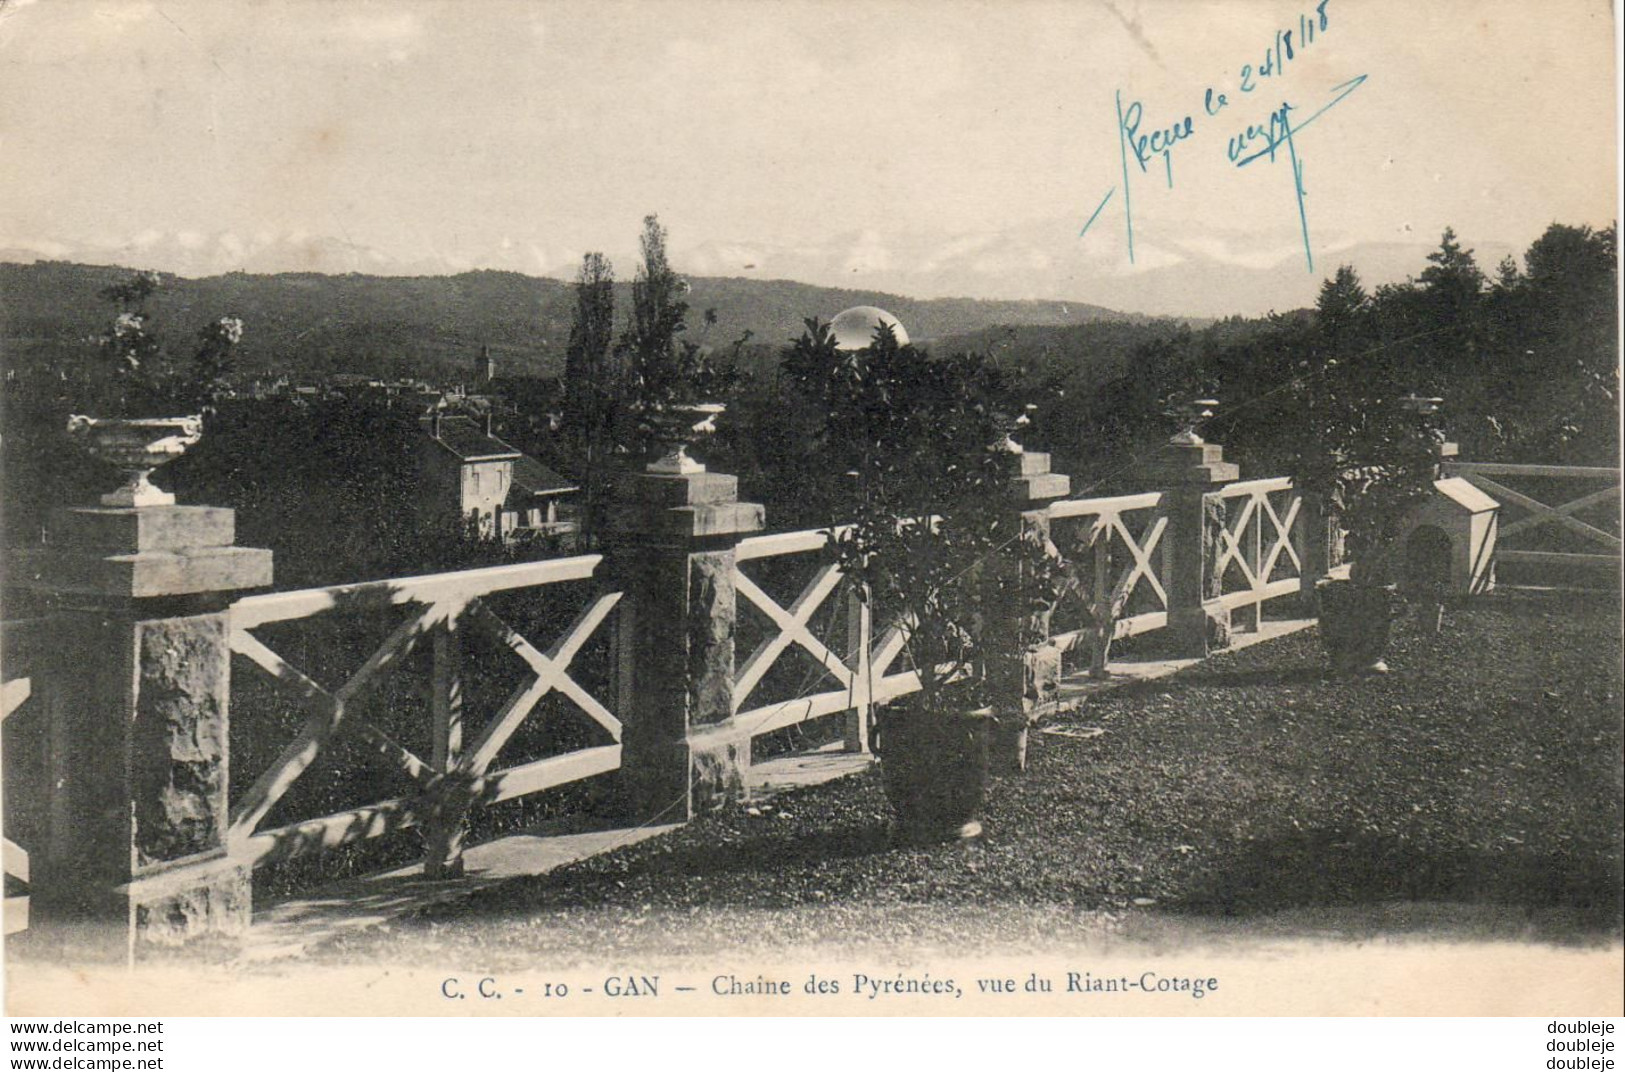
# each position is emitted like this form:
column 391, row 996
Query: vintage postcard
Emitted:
column 883, row 508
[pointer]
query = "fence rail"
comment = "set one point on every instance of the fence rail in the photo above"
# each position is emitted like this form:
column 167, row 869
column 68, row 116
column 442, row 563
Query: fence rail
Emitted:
column 457, row 774
column 861, row 669
column 1260, row 554
column 464, row 725
column 1111, row 547
column 1543, row 522
column 22, row 642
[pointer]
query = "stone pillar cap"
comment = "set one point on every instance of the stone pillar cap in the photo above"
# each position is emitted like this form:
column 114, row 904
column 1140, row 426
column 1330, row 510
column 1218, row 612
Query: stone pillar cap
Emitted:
column 141, row 553
column 1197, row 464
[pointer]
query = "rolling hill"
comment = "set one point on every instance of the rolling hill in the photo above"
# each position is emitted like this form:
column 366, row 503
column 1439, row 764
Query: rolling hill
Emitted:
column 303, row 324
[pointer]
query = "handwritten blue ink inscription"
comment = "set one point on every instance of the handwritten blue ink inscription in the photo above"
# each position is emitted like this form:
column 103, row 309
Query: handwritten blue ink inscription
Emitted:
column 1143, row 140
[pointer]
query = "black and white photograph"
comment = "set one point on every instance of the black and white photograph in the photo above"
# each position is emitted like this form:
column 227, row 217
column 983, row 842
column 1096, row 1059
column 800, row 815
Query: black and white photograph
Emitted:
column 861, row 508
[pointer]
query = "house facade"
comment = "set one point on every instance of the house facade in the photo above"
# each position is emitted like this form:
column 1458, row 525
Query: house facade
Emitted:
column 478, row 484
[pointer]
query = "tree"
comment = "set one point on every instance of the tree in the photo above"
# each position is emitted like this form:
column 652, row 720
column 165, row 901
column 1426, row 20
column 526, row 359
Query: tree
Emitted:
column 142, row 377
column 588, row 375
column 213, row 362
column 1506, row 273
column 663, row 371
column 1453, row 271
column 934, row 548
column 1451, row 286
column 1572, row 342
column 650, row 341
column 805, row 428
column 925, row 498
column 1341, row 307
column 589, row 383
column 1572, row 256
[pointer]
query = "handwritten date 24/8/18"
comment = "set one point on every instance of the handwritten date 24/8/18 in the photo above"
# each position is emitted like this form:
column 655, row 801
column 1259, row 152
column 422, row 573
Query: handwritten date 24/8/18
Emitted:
column 1282, row 51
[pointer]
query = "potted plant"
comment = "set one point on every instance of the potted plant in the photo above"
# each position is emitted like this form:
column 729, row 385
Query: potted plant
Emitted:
column 928, row 546
column 1371, row 463
column 147, row 409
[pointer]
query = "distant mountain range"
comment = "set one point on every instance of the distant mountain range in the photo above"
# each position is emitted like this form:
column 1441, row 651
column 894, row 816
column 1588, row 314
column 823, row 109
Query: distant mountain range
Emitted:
column 306, row 323
column 1210, row 268
column 1209, row 271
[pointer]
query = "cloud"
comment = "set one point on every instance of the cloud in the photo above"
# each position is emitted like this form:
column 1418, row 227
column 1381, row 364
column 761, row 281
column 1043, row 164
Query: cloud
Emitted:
column 1013, row 261
column 1147, row 258
column 955, row 248
column 1219, row 249
column 41, row 247
column 869, row 255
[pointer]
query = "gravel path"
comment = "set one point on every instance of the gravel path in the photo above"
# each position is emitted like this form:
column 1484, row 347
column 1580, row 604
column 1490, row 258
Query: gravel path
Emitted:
column 1483, row 773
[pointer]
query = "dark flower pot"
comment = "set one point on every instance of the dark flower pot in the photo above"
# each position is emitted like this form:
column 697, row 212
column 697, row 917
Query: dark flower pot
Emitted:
column 935, row 769
column 1355, row 624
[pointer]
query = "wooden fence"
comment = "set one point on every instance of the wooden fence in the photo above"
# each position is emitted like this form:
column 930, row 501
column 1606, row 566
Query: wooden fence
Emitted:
column 1112, row 548
column 21, row 644
column 313, row 669
column 457, row 773
column 1561, row 534
column 848, row 654
column 1260, row 556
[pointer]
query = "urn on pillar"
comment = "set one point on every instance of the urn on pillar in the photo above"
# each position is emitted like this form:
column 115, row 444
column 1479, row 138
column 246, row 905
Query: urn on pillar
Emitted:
column 673, row 547
column 137, row 698
column 1190, row 468
column 1024, row 666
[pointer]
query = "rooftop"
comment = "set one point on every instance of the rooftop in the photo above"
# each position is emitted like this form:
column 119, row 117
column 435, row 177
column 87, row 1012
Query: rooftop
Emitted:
column 531, row 477
column 468, row 440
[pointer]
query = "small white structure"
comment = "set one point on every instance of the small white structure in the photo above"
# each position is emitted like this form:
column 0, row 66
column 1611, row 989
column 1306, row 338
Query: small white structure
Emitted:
column 1447, row 543
column 854, row 329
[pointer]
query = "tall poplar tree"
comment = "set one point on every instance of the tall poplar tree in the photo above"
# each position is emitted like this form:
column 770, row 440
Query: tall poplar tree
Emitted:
column 590, row 384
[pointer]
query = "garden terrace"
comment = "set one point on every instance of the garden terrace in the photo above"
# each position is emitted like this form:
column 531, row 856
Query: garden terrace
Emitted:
column 1474, row 793
column 645, row 680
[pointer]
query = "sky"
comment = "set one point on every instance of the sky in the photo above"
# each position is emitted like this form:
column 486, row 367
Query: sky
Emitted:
column 931, row 147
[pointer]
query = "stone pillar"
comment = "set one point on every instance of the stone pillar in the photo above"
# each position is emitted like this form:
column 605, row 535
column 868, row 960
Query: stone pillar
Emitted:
column 137, row 689
column 672, row 545
column 1023, row 667
column 1196, row 623
column 1445, row 453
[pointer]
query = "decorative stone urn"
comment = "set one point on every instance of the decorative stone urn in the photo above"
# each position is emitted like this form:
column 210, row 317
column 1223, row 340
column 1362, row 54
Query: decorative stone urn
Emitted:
column 1191, row 415
column 676, row 427
column 1007, row 443
column 136, row 447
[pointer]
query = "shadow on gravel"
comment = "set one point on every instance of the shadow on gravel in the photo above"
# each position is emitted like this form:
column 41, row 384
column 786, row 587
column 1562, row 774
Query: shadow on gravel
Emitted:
column 1319, row 868
column 755, row 860
column 1203, row 677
